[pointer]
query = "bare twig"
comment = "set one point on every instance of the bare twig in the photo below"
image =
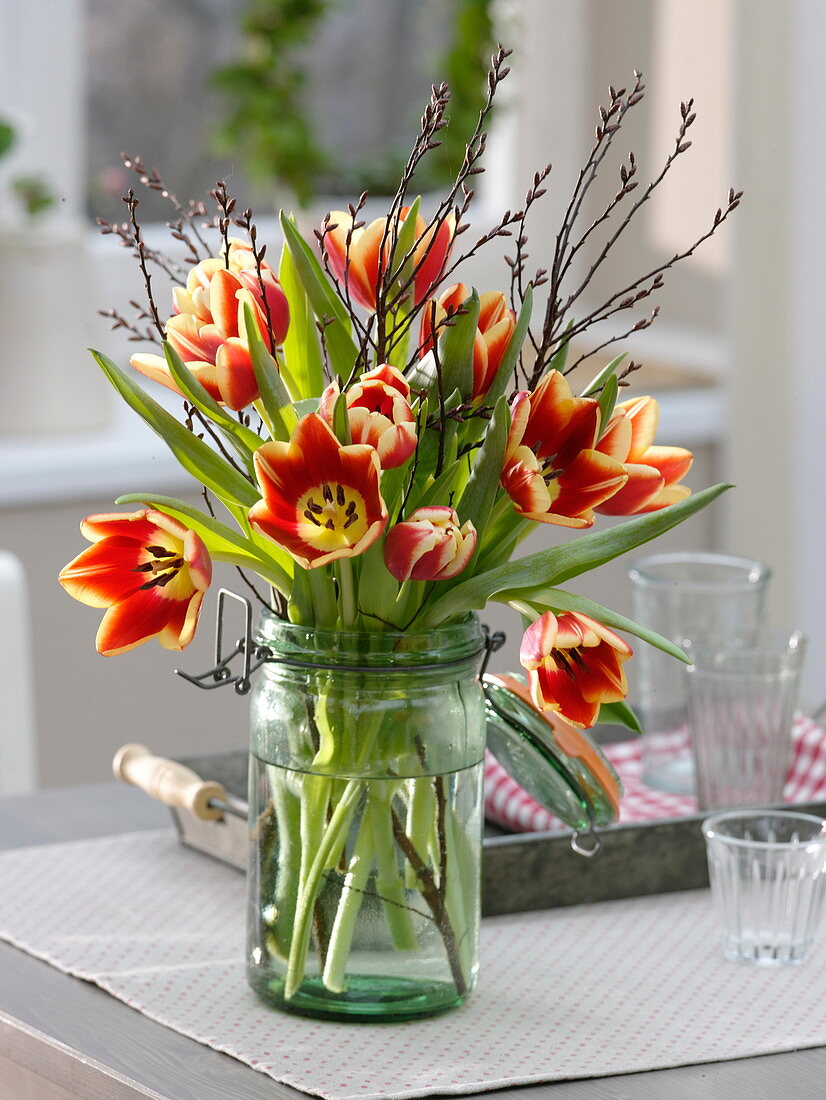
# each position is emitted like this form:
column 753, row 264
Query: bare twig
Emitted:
column 137, row 238
column 192, row 213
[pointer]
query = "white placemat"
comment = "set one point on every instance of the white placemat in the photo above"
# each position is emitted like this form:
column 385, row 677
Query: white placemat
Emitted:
column 581, row 992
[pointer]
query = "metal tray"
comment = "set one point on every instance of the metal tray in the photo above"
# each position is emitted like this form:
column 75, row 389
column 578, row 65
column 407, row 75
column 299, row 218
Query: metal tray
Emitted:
column 525, row 871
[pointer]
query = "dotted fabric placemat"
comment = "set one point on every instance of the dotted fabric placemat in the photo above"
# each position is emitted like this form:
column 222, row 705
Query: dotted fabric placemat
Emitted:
column 581, row 992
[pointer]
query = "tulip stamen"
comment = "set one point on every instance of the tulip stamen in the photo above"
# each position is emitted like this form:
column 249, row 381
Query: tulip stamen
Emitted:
column 339, row 512
column 161, row 580
column 160, row 552
column 549, row 472
column 561, row 663
column 576, row 657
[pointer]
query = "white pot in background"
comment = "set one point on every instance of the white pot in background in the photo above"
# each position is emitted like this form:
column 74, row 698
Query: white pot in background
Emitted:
column 48, row 380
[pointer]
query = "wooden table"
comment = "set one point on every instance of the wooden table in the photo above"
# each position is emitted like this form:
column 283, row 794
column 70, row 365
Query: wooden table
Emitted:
column 61, row 1037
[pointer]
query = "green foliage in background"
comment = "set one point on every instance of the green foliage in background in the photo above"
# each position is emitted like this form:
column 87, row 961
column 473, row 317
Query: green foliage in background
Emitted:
column 266, row 124
column 32, row 192
column 268, row 127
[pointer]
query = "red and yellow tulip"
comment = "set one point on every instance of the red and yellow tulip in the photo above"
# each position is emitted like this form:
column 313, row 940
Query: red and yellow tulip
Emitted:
column 653, row 472
column 379, row 413
column 148, row 570
column 430, row 545
column 206, row 329
column 574, row 665
column 493, row 331
column 552, row 469
column 321, row 501
column 361, row 265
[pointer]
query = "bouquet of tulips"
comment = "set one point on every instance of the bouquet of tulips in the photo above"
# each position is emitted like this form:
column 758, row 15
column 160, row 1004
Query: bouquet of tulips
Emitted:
column 375, row 439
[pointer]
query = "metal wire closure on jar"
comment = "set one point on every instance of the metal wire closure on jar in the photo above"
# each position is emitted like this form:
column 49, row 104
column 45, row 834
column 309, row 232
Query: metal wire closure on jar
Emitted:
column 220, row 674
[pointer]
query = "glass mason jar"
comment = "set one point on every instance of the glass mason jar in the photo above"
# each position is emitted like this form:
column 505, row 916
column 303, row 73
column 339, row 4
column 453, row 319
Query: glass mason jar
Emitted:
column 366, row 772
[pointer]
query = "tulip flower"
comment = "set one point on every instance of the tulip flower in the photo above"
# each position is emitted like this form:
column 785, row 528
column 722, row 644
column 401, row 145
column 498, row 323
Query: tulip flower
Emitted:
column 493, row 331
column 151, row 573
column 552, row 469
column 321, row 501
column 206, row 329
column 379, row 413
column 429, row 546
column 359, row 266
column 653, row 472
column 574, row 664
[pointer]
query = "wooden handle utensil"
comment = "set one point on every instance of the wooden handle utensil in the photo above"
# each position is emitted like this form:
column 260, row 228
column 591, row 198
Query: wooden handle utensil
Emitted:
column 169, row 782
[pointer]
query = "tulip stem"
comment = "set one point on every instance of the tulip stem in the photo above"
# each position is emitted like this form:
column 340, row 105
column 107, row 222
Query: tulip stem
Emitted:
column 347, row 593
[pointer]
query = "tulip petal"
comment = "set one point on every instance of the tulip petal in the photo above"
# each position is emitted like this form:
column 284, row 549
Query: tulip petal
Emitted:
column 558, row 692
column 616, row 441
column 590, row 479
column 157, row 368
column 181, row 624
column 135, row 525
column 644, row 414
column 321, row 501
column 131, row 622
column 538, row 640
column 671, row 494
column 672, row 462
column 104, row 573
column 404, row 546
column 643, row 485
column 223, row 301
column 235, row 375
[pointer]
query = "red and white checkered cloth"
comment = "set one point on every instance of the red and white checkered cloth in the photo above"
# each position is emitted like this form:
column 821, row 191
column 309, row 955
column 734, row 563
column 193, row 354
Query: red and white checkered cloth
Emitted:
column 508, row 805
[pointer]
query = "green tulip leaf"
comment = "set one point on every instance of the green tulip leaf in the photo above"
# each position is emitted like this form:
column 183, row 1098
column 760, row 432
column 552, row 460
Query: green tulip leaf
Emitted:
column 618, row 714
column 596, row 383
column 275, row 405
column 325, row 303
column 194, row 455
column 545, row 598
column 561, row 563
column 607, row 400
column 480, row 492
column 301, row 349
column 456, row 348
column 243, row 439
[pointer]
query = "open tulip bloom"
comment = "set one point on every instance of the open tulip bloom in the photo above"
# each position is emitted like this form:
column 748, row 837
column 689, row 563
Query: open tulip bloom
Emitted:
column 375, row 439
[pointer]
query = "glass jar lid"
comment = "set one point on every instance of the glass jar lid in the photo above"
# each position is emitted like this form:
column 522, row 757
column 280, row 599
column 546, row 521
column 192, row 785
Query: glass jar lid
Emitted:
column 559, row 766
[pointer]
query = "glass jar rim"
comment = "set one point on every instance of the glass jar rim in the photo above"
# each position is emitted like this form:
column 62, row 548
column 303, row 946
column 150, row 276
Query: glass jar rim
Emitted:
column 751, row 573
column 711, row 824
column 306, row 646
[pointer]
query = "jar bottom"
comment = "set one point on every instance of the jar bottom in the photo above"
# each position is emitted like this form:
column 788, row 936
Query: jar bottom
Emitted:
column 368, row 998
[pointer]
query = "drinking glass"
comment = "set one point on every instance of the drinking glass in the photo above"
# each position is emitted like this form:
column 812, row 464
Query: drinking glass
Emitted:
column 711, row 598
column 766, row 870
column 741, row 701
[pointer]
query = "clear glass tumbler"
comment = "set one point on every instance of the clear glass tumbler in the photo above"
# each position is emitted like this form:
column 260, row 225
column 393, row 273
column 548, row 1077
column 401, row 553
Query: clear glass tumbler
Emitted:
column 767, row 871
column 709, row 598
column 741, row 701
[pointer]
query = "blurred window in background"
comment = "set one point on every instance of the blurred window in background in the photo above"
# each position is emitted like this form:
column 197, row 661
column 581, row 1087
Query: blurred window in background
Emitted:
column 683, row 50
column 325, row 94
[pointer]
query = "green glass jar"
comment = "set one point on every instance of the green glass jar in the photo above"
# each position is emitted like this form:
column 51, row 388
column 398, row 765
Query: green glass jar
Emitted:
column 366, row 772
